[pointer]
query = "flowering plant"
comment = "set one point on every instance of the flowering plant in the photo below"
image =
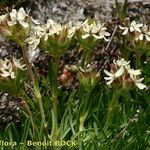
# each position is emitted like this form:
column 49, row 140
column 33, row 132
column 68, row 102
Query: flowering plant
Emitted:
column 76, row 82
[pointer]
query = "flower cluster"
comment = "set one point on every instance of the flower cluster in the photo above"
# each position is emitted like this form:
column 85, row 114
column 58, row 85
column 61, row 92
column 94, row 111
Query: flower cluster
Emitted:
column 51, row 36
column 15, row 17
column 144, row 34
column 141, row 30
column 8, row 68
column 18, row 17
column 51, row 28
column 98, row 31
column 122, row 75
column 3, row 18
column 89, row 76
column 44, row 31
column 15, row 25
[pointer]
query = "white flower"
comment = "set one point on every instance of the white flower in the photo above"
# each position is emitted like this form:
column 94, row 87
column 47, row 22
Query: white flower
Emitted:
column 39, row 31
column 4, row 64
column 134, row 26
column 128, row 75
column 89, row 30
column 113, row 76
column 103, row 34
column 138, row 83
column 144, row 34
column 96, row 30
column 51, row 28
column 133, row 72
column 3, row 18
column 19, row 64
column 121, row 62
column 79, row 24
column 6, row 69
column 33, row 42
column 55, row 29
column 18, row 17
column 71, row 29
column 126, row 29
column 71, row 32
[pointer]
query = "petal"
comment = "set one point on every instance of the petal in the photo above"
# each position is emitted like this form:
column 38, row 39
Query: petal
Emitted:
column 122, row 28
column 140, row 80
column 11, row 23
column 5, row 74
column 141, row 86
column 12, row 75
column 125, row 31
column 134, row 72
column 21, row 14
column 24, row 24
column 141, row 37
column 119, row 72
column 147, row 37
column 139, row 25
column 132, row 29
column 133, row 23
column 34, row 46
column 108, row 73
column 96, row 36
column 106, row 39
column 137, row 29
column 13, row 15
column 46, row 37
column 31, row 40
column 109, row 82
column 107, row 34
column 3, row 18
column 85, row 36
column 108, row 78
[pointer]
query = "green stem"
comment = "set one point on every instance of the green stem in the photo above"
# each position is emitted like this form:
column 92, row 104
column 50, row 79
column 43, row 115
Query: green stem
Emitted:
column 39, row 98
column 84, row 110
column 43, row 122
column 25, row 58
column 113, row 104
column 54, row 132
column 54, row 94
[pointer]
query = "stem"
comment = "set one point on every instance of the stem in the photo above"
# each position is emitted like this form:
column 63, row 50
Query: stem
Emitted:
column 85, row 110
column 54, row 132
column 112, row 105
column 39, row 98
column 42, row 115
column 25, row 58
column 54, row 93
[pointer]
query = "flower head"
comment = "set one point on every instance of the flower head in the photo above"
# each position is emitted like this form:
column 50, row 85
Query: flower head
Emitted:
column 19, row 64
column 144, row 34
column 132, row 27
column 3, row 18
column 18, row 17
column 123, row 75
column 6, row 69
column 98, row 31
column 33, row 42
